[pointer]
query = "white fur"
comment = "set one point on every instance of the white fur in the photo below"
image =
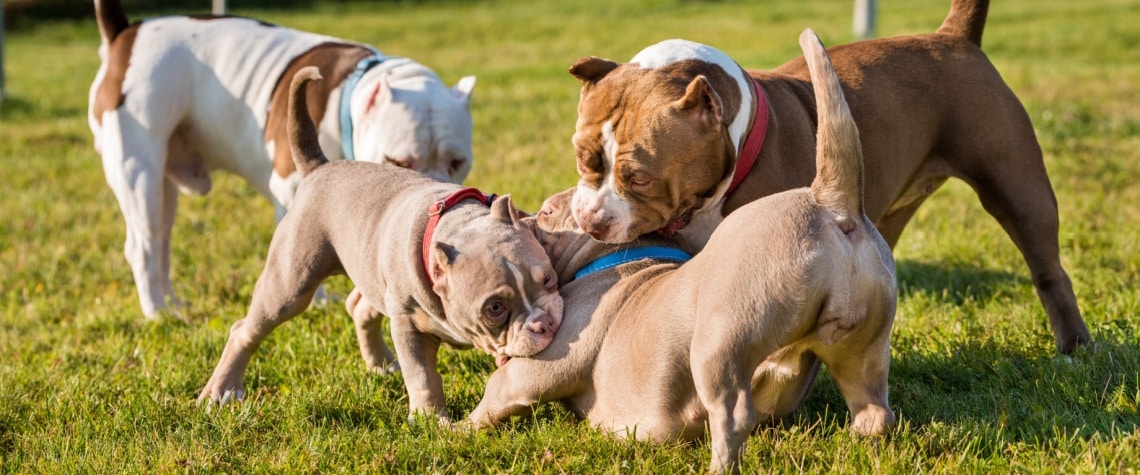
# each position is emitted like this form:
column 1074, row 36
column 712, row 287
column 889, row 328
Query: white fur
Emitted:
column 604, row 203
column 208, row 84
column 671, row 51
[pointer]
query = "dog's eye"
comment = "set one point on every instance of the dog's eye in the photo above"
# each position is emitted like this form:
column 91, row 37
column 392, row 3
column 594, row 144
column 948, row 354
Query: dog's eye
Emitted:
column 456, row 165
column 398, row 162
column 495, row 310
column 548, row 281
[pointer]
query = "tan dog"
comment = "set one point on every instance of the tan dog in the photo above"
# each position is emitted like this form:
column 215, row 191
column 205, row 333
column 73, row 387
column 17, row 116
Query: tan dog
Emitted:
column 663, row 141
column 445, row 266
column 734, row 336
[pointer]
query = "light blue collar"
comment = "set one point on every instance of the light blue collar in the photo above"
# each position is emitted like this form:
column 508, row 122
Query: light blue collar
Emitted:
column 633, row 254
column 346, row 100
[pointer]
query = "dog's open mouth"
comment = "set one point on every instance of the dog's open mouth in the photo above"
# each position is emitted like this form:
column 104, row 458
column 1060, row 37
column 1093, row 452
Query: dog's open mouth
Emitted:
column 670, row 229
column 501, row 360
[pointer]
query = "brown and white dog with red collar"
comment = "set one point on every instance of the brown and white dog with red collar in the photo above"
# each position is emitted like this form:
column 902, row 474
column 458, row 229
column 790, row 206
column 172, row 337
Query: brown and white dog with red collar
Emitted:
column 177, row 97
column 661, row 351
column 681, row 136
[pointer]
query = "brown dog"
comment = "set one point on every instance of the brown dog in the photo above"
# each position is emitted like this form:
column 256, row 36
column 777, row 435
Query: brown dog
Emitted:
column 734, row 336
column 664, row 141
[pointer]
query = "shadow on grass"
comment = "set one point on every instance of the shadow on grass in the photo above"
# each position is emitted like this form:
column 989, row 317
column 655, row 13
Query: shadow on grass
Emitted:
column 955, row 283
column 14, row 108
column 1003, row 395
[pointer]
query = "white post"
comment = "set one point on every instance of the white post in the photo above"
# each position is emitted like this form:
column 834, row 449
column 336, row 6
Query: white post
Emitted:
column 864, row 18
column 219, row 7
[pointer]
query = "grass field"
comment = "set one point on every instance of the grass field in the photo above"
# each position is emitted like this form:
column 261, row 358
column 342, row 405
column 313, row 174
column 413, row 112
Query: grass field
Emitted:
column 88, row 386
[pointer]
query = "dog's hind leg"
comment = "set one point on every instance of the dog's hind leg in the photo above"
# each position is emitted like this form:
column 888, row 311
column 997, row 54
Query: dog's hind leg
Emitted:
column 133, row 164
column 1016, row 191
column 782, row 381
column 861, row 374
column 368, row 321
column 294, row 268
column 722, row 375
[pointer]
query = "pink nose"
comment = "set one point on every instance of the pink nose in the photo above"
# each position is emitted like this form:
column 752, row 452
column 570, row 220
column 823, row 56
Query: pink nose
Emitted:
column 543, row 324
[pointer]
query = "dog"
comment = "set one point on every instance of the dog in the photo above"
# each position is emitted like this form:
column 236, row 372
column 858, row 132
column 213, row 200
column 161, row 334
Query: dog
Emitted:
column 177, row 97
column 656, row 349
column 666, row 142
column 447, row 264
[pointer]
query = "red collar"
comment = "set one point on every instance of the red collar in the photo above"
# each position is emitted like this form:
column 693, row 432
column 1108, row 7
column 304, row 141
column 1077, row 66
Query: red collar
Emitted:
column 436, row 210
column 755, row 140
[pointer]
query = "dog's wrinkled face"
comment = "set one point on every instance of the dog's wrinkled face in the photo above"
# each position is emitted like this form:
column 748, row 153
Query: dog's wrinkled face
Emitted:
column 651, row 144
column 498, row 286
column 421, row 124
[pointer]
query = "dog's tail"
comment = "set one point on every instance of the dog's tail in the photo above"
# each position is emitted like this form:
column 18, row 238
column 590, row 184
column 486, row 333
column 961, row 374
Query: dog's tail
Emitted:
column 111, row 18
column 838, row 184
column 967, row 19
column 303, row 139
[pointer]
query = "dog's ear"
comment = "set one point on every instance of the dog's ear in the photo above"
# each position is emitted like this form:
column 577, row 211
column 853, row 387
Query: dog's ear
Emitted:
column 503, row 209
column 381, row 93
column 592, row 69
column 463, row 88
column 701, row 104
column 442, row 257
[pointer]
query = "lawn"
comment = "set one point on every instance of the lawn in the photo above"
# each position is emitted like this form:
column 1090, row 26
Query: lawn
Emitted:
column 88, row 386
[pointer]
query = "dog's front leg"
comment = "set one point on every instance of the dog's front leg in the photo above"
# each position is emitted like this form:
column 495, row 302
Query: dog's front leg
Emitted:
column 512, row 390
column 416, row 352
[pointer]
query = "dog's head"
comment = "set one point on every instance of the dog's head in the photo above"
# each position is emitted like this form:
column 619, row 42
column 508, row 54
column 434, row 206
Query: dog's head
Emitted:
column 570, row 249
column 410, row 119
column 497, row 284
column 656, row 138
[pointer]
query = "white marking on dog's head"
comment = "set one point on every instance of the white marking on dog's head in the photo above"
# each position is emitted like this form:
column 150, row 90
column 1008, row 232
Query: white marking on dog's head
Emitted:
column 671, row 51
column 603, row 206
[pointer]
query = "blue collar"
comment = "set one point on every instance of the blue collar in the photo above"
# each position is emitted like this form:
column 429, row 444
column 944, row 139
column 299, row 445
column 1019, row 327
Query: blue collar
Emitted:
column 633, row 254
column 346, row 100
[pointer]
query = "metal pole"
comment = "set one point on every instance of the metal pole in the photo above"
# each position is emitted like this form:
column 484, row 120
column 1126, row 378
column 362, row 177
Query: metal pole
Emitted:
column 219, row 7
column 865, row 18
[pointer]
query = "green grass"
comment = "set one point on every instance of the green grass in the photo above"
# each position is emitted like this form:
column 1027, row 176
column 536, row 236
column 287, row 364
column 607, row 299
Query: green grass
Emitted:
column 86, row 385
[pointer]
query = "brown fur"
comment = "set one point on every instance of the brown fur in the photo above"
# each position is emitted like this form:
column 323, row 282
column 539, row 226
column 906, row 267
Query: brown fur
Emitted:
column 335, row 62
column 733, row 337
column 931, row 107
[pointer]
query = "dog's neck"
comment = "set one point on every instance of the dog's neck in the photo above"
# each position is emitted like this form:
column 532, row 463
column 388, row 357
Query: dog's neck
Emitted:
column 671, row 51
column 570, row 250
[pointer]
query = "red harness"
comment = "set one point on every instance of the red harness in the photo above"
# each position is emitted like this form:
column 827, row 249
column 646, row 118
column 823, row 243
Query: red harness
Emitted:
column 436, row 210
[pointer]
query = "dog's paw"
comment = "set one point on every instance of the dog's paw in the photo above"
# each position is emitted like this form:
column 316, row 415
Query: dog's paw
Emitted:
column 385, row 368
column 211, row 397
column 423, row 416
column 873, row 421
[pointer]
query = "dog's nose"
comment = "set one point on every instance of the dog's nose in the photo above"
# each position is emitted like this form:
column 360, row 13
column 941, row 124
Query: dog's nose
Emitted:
column 542, row 324
column 594, row 226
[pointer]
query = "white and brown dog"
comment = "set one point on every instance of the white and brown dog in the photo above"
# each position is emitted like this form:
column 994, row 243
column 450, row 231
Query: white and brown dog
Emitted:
column 666, row 141
column 442, row 262
column 177, row 97
column 733, row 337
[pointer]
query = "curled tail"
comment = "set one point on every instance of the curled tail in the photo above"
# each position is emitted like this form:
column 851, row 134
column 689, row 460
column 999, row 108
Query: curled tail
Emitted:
column 111, row 18
column 838, row 183
column 967, row 19
column 303, row 140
